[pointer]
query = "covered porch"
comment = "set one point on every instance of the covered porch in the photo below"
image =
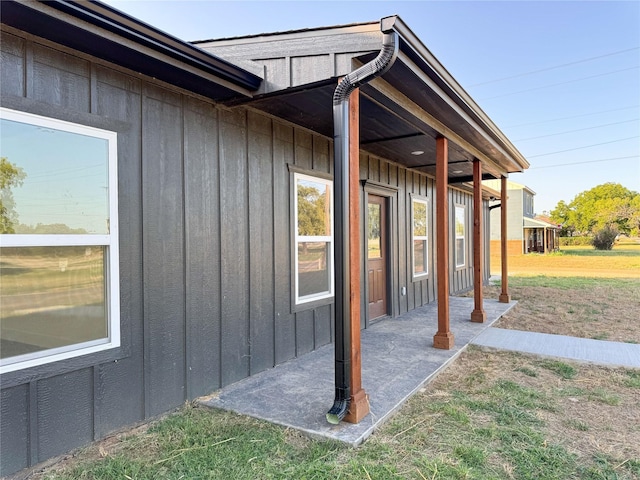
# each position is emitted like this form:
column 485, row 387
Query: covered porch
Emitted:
column 397, row 360
column 540, row 236
column 377, row 91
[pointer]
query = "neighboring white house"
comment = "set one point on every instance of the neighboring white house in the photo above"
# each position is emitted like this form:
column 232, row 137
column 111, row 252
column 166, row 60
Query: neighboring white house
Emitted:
column 526, row 231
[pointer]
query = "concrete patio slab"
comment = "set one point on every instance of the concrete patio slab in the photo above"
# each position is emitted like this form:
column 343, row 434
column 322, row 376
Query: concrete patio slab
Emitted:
column 559, row 346
column 397, row 360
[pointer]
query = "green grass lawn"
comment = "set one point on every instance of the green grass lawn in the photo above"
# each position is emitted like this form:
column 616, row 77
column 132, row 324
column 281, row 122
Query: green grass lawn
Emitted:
column 620, row 250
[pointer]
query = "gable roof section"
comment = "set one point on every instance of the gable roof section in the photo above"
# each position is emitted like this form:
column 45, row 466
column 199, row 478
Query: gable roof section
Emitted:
column 510, row 186
column 104, row 32
column 401, row 112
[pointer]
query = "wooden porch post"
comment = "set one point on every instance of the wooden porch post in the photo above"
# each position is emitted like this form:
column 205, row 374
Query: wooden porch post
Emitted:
column 443, row 338
column 478, row 315
column 545, row 239
column 359, row 404
column 504, row 296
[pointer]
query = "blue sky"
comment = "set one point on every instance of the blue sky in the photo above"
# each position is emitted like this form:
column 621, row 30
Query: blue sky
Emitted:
column 66, row 176
column 560, row 79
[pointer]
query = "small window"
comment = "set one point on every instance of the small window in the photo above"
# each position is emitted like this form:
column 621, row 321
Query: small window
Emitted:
column 461, row 246
column 420, row 222
column 59, row 290
column 313, row 223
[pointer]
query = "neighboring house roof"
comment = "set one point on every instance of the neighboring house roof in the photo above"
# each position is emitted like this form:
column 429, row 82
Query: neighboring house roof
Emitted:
column 544, row 218
column 104, row 32
column 490, row 193
column 495, row 184
column 402, row 112
column 535, row 223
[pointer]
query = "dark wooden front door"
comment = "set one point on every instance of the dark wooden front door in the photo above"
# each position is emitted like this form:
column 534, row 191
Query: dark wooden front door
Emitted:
column 377, row 256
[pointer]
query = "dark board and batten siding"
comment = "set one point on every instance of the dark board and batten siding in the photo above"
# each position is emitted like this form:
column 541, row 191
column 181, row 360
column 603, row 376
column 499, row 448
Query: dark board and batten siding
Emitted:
column 401, row 185
column 205, row 252
column 486, row 217
column 406, row 183
column 205, row 259
column 461, row 278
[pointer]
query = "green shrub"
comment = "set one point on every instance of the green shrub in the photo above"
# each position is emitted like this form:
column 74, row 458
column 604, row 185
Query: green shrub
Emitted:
column 605, row 238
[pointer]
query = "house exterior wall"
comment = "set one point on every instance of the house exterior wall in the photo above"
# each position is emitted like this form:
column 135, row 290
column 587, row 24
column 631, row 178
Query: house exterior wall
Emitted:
column 204, row 194
column 402, row 183
column 514, row 247
column 486, row 217
column 205, row 253
column 461, row 278
column 494, row 216
column 515, row 208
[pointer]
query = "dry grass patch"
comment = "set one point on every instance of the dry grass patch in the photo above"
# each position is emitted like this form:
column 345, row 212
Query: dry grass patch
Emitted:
column 603, row 309
column 506, row 415
column 621, row 262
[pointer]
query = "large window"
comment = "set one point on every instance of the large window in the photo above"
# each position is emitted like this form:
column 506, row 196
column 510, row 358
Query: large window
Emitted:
column 59, row 286
column 420, row 221
column 313, row 212
column 461, row 246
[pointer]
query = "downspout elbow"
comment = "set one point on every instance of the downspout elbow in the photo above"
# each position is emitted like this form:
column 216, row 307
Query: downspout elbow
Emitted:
column 367, row 72
column 340, row 406
column 378, row 66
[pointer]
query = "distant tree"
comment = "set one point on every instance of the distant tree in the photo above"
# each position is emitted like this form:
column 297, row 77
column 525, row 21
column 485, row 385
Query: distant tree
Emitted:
column 48, row 229
column 563, row 216
column 634, row 216
column 10, row 176
column 607, row 205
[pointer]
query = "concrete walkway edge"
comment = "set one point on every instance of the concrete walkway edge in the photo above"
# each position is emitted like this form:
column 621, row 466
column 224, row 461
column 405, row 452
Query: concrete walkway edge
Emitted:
column 560, row 346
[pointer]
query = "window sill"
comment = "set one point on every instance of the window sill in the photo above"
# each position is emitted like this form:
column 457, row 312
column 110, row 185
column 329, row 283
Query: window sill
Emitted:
column 301, row 307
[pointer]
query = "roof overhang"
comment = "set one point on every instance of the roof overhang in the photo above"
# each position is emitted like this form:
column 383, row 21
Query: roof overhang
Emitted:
column 403, row 112
column 533, row 223
column 99, row 30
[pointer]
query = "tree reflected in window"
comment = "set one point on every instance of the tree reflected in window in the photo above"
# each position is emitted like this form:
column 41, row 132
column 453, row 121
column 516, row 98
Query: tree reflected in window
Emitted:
column 314, row 240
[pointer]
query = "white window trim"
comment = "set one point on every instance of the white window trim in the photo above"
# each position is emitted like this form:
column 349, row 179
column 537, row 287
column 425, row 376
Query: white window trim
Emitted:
column 306, row 238
column 425, row 201
column 110, row 241
column 463, row 236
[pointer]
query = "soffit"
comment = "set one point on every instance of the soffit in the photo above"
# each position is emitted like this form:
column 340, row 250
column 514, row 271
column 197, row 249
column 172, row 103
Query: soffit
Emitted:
column 387, row 129
column 103, row 32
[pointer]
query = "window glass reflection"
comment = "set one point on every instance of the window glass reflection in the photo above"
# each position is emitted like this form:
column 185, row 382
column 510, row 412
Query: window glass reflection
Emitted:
column 374, row 245
column 51, row 297
column 459, row 221
column 313, row 268
column 314, row 203
column 419, row 258
column 460, row 252
column 419, row 219
column 58, row 181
